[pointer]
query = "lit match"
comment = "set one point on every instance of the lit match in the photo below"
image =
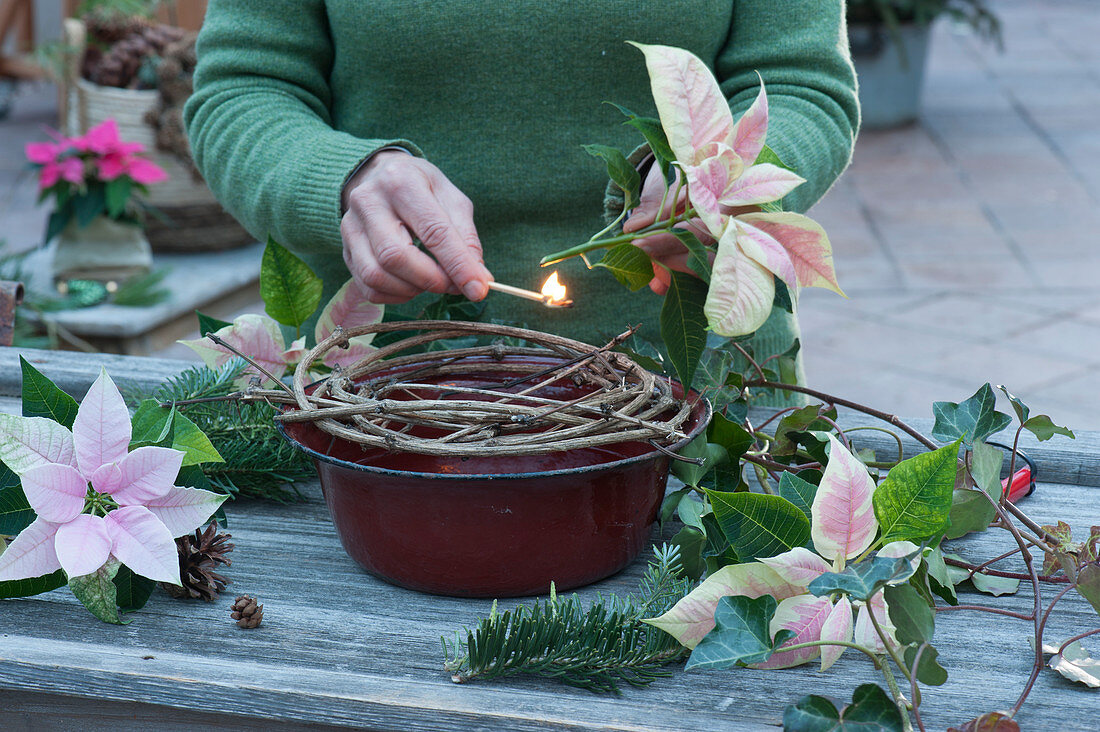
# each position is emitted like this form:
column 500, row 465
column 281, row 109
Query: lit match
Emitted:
column 553, row 293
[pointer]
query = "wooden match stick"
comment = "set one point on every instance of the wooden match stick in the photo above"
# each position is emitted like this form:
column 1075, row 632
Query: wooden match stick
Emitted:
column 530, row 295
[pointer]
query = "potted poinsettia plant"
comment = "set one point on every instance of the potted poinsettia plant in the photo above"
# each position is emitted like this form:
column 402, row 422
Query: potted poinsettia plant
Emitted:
column 93, row 181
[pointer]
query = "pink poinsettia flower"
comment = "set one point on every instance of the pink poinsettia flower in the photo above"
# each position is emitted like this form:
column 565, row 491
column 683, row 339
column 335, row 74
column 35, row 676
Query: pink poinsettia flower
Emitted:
column 68, row 169
column 41, row 153
column 103, row 139
column 843, row 526
column 94, row 498
column 718, row 158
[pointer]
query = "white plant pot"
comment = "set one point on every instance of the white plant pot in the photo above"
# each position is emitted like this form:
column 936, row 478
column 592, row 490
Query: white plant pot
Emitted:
column 104, row 250
column 890, row 78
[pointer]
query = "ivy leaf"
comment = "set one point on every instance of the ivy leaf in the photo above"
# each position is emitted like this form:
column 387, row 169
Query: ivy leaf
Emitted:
column 759, row 525
column 208, row 324
column 671, row 503
column 691, row 542
column 985, row 468
column 132, row 591
column 1088, row 584
column 1043, row 428
column 734, row 438
column 800, row 420
column 798, row 491
column 42, row 398
column 1021, row 409
column 16, row 513
column 290, row 290
column 973, row 420
column 863, row 580
column 938, row 577
column 97, row 592
column 630, row 265
column 913, row 503
column 740, row 634
column 992, row 585
column 683, row 324
column 871, row 710
column 620, row 171
column 929, row 671
column 914, row 621
column 970, row 511
column 698, row 260
column 32, row 586
column 1075, row 663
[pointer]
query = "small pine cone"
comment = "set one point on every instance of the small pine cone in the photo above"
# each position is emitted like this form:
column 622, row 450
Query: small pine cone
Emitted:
column 246, row 612
column 111, row 26
column 199, row 555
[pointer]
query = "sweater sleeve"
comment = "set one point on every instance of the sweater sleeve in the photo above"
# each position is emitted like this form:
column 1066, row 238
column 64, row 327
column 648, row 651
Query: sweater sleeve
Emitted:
column 260, row 121
column 802, row 55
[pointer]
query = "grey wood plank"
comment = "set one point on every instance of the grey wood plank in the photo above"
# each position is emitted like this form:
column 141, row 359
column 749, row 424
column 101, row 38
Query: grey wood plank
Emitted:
column 74, row 372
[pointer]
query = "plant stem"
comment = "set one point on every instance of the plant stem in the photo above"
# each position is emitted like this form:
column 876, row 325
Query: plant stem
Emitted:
column 983, row 608
column 884, row 416
column 1009, row 575
column 1079, row 636
column 899, row 700
column 658, row 227
column 901, row 448
column 913, row 685
column 875, row 659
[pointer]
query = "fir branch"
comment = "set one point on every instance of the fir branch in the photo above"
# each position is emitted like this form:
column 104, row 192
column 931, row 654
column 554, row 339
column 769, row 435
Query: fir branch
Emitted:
column 259, row 463
column 595, row 649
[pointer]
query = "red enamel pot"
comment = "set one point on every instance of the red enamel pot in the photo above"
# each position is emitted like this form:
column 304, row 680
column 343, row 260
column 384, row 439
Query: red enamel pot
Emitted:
column 493, row 526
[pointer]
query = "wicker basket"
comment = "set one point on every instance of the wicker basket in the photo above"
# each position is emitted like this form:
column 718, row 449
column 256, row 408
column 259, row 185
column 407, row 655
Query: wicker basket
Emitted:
column 196, row 221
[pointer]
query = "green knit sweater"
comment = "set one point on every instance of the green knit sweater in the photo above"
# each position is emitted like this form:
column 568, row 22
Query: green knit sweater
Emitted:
column 291, row 95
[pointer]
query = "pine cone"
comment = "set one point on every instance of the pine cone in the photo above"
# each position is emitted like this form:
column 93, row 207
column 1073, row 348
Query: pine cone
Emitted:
column 121, row 63
column 200, row 554
column 106, row 27
column 246, row 612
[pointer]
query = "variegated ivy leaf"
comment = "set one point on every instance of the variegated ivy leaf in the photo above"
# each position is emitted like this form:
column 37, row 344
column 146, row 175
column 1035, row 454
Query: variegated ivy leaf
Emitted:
column 741, row 634
column 843, row 518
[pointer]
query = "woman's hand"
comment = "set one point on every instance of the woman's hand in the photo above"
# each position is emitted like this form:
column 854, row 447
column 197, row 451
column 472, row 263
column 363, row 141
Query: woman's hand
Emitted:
column 389, row 201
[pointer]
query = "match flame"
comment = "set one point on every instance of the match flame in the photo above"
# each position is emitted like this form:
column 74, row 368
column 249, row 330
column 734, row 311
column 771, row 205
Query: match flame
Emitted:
column 553, row 290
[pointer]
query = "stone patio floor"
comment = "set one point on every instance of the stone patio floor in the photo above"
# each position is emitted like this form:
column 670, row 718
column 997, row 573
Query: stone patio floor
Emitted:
column 968, row 243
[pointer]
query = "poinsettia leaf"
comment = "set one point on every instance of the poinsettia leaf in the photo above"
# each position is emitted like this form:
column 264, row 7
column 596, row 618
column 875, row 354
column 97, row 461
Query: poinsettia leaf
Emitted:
column 1044, row 428
column 32, row 586
column 57, row 222
column 290, row 290
column 693, row 616
column 842, row 515
column 767, row 155
column 15, row 513
column 914, row 621
column 690, row 542
column 805, row 616
column 798, row 491
column 90, row 205
column 132, row 591
column 759, row 525
column 928, row 670
column 620, row 171
column 782, row 299
column 973, row 420
column 683, row 324
column 871, row 710
column 42, row 398
column 806, row 243
column 117, row 195
column 863, row 580
column 629, row 264
column 913, row 503
column 208, row 324
column 741, row 292
column 740, row 634
column 698, row 254
column 97, row 592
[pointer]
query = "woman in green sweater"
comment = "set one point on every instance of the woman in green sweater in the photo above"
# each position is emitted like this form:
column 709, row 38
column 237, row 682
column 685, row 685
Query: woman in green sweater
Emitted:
column 295, row 99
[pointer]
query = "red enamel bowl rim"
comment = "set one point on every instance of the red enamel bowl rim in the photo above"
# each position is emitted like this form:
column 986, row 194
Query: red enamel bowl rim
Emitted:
column 696, row 430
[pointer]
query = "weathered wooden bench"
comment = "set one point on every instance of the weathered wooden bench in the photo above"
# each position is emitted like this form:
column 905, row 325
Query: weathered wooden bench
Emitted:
column 341, row 649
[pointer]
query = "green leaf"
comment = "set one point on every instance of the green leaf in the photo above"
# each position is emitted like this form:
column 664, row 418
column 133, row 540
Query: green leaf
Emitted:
column 57, row 222
column 912, row 617
column 1088, row 584
column 620, row 171
column 973, row 420
column 759, row 525
column 782, row 299
column 970, row 511
column 690, row 512
column 863, row 580
column 913, row 503
column 671, row 503
column 690, row 472
column 208, row 324
column 991, row 585
column 683, row 324
column 42, row 398
column 798, row 491
column 96, row 591
column 985, row 469
column 698, row 260
column 1021, row 409
column 290, row 290
column 871, row 710
column 800, row 420
column 730, row 435
column 90, row 205
column 15, row 513
column 1043, row 428
column 155, row 425
column 32, row 586
column 195, row 444
column 118, row 195
column 740, row 634
column 630, row 265
column 151, row 424
column 929, row 671
column 654, row 134
column 691, row 542
column 132, row 591
column 939, row 579
column 767, row 155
